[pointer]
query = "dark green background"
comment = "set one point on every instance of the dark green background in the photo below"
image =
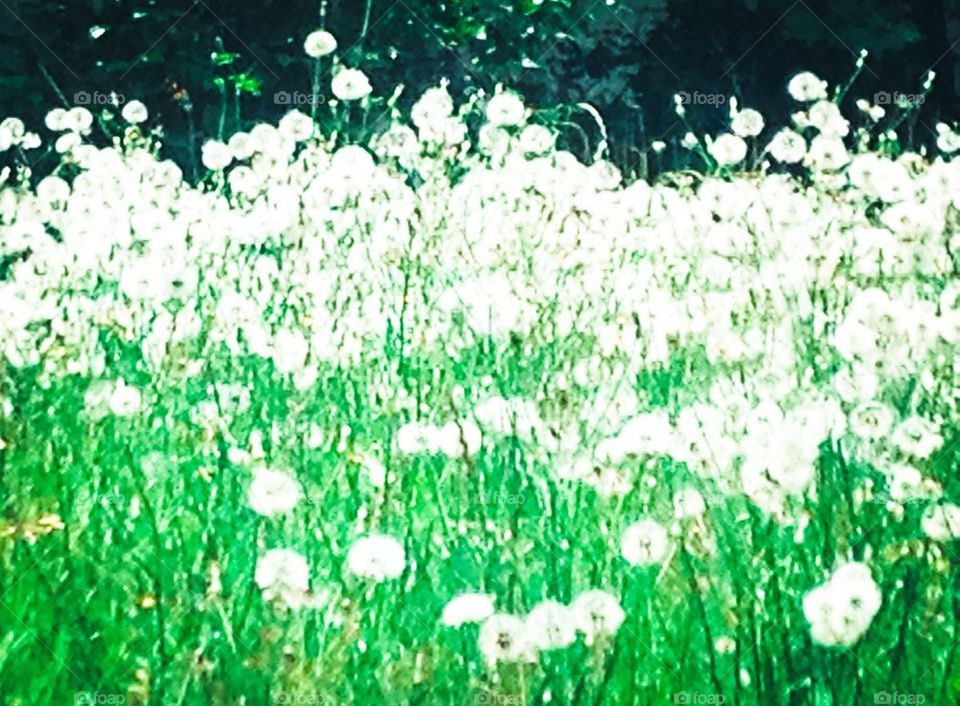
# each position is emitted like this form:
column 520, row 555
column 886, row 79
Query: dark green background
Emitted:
column 627, row 59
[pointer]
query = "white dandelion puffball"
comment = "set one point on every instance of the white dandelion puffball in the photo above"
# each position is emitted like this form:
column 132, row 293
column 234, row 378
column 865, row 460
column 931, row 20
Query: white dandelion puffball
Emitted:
column 125, row 399
column 273, row 492
column 296, row 126
column 215, row 155
column 644, row 542
column 351, row 85
column 597, row 614
column 283, row 573
column 241, row 145
column 319, row 43
column 941, row 522
column 135, row 112
column 916, row 436
column 841, row 609
column 788, row 146
column 57, row 118
column 550, row 625
column 467, row 608
column 747, row 123
column 460, row 438
column 948, row 140
column 290, row 351
column 503, row 638
column 418, row 437
column 871, row 420
column 79, row 120
column 53, row 189
column 536, row 139
column 806, row 87
column 505, row 110
column 374, row 471
column 827, row 153
column 826, row 117
column 377, row 557
column 432, row 109
column 728, row 150
column 688, row 503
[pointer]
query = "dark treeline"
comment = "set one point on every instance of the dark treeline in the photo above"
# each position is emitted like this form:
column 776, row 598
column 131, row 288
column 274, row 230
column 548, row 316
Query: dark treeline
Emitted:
column 626, row 57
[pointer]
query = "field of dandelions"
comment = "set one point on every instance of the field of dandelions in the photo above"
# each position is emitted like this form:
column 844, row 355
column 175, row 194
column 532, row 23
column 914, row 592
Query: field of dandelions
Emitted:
column 450, row 417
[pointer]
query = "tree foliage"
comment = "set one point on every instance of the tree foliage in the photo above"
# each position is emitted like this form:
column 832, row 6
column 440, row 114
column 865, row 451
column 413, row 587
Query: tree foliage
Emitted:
column 625, row 57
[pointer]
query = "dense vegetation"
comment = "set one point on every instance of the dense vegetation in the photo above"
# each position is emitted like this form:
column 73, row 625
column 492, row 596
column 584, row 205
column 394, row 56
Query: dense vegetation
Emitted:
column 316, row 388
column 627, row 58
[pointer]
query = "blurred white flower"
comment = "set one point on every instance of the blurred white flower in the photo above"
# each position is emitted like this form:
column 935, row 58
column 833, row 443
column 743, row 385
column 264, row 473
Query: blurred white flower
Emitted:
column 431, row 112
column 840, row 611
column 787, row 146
column 241, row 146
column 728, row 150
column 273, row 492
column 13, row 128
column 290, row 350
column 941, row 522
column 597, row 614
column 826, row 117
column 725, row 645
column 536, row 139
column 948, row 140
column 827, row 153
column 78, row 120
column 283, row 574
column 296, row 126
column 125, row 399
column 747, row 123
column 503, row 638
column 467, row 608
column 377, row 557
column 134, row 112
column 457, row 439
column 644, row 542
column 917, row 437
column 319, row 43
column 550, row 625
column 687, row 503
column 57, row 120
column 874, row 112
column 30, row 141
column 505, row 109
column 418, row 437
column 53, row 190
column 871, row 420
column 215, row 155
column 807, row 87
column 350, row 85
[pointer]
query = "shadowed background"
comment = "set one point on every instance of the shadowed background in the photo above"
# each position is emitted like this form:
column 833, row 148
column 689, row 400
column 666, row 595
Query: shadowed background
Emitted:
column 626, row 57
